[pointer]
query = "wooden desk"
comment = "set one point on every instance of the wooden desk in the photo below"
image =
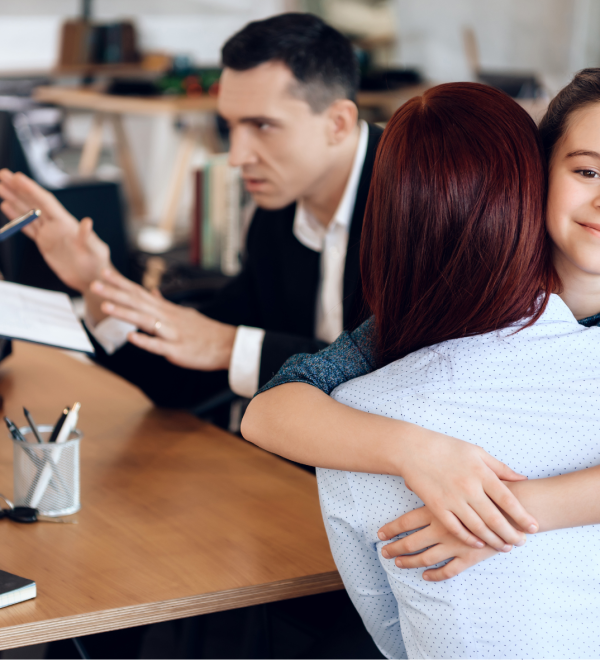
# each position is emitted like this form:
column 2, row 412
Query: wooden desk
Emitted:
column 178, row 518
column 111, row 108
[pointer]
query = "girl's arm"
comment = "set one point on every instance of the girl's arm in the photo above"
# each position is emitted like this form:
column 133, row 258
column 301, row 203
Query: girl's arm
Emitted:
column 460, row 482
column 568, row 500
column 351, row 355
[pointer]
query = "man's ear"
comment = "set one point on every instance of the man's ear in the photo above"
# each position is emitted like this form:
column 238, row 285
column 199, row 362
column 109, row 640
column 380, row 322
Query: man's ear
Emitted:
column 342, row 116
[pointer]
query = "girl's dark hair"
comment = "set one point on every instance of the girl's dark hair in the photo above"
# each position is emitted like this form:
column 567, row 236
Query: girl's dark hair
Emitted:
column 581, row 91
column 454, row 242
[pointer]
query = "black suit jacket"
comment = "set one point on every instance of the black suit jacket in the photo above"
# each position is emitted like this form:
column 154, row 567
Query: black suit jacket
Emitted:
column 276, row 290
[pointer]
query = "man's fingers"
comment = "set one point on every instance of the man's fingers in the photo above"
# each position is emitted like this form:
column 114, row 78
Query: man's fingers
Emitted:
column 113, row 277
column 142, row 320
column 139, row 319
column 31, row 230
column 12, row 207
column 409, row 521
column 139, row 300
column 6, row 193
column 26, row 195
column 6, row 174
column 31, row 192
column 9, row 210
column 151, row 344
column 503, row 497
column 86, row 227
column 118, row 296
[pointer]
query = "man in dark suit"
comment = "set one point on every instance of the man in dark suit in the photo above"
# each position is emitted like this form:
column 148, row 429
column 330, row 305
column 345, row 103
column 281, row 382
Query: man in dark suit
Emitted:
column 287, row 93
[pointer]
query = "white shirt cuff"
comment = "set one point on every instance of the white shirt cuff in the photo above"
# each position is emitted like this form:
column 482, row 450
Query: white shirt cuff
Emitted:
column 244, row 366
column 110, row 333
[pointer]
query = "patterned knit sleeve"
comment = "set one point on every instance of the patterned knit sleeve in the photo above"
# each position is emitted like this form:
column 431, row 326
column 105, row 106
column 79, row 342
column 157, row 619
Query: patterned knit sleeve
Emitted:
column 351, row 355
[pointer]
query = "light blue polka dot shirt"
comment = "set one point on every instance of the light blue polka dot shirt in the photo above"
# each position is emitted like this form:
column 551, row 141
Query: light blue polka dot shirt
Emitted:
column 530, row 399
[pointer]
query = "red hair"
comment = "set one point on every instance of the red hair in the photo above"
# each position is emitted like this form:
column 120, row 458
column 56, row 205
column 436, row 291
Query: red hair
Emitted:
column 454, row 242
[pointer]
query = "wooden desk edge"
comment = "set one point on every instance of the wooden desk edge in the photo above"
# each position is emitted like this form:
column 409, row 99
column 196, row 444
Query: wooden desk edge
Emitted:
column 137, row 615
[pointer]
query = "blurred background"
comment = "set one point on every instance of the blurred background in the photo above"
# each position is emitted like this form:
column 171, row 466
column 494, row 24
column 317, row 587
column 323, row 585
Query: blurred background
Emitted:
column 111, row 104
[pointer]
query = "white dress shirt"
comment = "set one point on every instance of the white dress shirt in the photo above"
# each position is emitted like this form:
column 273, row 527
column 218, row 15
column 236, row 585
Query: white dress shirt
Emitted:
column 531, row 400
column 330, row 241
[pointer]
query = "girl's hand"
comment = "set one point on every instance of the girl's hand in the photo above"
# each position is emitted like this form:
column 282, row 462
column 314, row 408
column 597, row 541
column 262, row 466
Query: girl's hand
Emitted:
column 460, row 483
column 443, row 546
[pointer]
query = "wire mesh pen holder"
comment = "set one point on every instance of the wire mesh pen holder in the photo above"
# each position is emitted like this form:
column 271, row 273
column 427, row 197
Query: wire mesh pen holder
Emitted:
column 46, row 475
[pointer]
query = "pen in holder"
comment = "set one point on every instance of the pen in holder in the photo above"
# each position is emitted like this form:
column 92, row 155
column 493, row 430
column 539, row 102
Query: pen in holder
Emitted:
column 46, row 474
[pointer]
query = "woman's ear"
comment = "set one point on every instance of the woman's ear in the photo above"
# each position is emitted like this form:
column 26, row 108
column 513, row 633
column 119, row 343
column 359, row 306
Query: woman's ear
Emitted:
column 342, row 118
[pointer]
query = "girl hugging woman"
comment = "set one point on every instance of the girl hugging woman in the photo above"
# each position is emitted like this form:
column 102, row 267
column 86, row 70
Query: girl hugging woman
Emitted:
column 485, row 305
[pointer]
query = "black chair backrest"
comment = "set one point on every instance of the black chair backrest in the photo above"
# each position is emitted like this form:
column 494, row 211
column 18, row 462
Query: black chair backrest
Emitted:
column 20, row 260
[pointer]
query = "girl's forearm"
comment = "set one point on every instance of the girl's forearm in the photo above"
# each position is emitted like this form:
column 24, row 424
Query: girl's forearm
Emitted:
column 303, row 424
column 455, row 479
column 569, row 500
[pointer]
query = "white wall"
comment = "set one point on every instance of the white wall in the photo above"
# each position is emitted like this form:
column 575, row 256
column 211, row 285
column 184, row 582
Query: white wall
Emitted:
column 29, row 29
column 552, row 37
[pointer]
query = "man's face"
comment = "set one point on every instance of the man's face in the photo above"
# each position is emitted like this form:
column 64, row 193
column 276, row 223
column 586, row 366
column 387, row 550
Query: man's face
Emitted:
column 280, row 144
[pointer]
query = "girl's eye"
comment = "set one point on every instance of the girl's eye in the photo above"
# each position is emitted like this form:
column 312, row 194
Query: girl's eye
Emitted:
column 588, row 174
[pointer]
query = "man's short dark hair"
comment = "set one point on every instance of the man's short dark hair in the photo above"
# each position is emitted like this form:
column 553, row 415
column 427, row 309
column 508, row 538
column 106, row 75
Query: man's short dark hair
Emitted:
column 321, row 59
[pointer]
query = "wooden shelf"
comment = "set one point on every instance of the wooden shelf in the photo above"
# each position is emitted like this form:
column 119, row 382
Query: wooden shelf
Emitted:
column 84, row 98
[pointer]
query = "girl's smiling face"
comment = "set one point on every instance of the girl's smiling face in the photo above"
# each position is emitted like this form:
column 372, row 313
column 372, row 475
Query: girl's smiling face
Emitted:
column 573, row 212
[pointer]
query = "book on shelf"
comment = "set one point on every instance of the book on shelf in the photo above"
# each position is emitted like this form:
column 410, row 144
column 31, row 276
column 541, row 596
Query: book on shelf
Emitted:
column 220, row 217
column 197, row 213
column 85, row 43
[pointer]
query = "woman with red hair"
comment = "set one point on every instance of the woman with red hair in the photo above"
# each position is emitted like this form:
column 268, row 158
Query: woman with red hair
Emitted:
column 472, row 342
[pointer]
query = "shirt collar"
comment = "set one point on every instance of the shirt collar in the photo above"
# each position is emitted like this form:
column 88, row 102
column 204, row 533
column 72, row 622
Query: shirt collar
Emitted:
column 556, row 310
column 307, row 229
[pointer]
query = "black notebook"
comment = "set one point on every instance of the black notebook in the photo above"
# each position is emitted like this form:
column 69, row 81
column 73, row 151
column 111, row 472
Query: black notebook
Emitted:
column 15, row 589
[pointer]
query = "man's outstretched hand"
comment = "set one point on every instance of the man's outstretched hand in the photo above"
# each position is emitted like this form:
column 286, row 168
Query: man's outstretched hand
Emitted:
column 72, row 249
column 180, row 334
column 76, row 254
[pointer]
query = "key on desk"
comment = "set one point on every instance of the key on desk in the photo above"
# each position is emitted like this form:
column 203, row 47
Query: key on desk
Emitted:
column 27, row 514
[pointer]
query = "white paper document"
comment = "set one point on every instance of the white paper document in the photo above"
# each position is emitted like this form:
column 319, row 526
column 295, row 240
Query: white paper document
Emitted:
column 40, row 316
